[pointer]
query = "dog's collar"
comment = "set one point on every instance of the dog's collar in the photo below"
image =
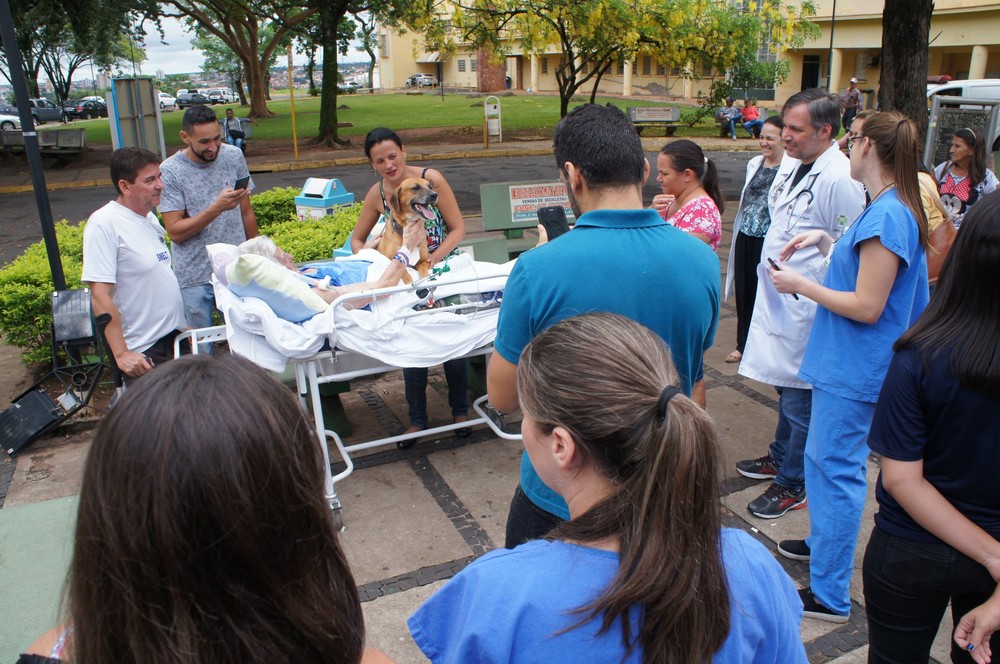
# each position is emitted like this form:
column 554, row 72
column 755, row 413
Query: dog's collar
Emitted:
column 395, row 225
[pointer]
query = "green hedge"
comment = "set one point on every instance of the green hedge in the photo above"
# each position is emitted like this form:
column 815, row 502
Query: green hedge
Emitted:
column 26, row 282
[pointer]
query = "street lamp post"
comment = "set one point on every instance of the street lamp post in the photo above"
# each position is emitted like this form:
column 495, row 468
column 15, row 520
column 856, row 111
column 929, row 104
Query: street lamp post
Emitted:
column 833, row 24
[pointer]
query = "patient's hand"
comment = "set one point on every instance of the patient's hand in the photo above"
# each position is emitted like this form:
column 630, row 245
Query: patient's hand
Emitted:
column 413, row 235
column 373, row 243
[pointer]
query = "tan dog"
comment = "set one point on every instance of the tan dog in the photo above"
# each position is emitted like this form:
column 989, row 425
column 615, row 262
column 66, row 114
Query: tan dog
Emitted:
column 410, row 204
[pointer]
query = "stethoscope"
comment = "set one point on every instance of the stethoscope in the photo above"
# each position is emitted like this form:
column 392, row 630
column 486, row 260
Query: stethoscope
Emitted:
column 800, row 203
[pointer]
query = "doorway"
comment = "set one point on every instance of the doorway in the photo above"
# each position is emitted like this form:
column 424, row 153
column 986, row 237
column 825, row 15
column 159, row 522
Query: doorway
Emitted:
column 810, row 71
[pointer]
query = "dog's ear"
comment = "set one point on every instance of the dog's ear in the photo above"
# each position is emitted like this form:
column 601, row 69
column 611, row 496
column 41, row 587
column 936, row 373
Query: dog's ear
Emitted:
column 394, row 200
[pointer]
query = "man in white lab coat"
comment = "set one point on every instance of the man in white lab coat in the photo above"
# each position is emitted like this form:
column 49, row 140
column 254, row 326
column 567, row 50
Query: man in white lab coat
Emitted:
column 817, row 193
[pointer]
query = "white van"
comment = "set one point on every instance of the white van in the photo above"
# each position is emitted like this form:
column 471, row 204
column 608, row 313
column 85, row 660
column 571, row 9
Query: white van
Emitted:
column 975, row 88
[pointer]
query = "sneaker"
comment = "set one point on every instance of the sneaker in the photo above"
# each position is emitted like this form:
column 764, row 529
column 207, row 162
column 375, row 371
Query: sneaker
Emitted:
column 813, row 609
column 763, row 468
column 776, row 501
column 794, row 549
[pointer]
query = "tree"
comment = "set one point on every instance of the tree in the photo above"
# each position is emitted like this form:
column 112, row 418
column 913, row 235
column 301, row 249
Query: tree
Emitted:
column 905, row 31
column 594, row 35
column 255, row 30
column 220, row 59
column 367, row 23
column 51, row 33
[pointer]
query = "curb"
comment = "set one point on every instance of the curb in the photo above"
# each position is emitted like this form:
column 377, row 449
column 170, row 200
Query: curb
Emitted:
column 649, row 143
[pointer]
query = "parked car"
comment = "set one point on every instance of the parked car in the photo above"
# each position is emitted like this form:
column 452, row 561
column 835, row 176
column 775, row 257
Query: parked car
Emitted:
column 421, row 81
column 9, row 122
column 192, row 98
column 166, row 100
column 43, row 110
column 85, row 110
column 349, row 88
column 95, row 98
column 222, row 96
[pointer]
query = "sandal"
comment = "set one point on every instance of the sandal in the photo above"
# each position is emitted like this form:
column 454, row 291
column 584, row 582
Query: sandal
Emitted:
column 733, row 357
column 410, row 442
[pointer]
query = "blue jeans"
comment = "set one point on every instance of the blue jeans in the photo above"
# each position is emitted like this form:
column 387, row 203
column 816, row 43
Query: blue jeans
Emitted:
column 753, row 126
column 238, row 142
column 732, row 127
column 415, row 387
column 199, row 301
column 836, row 452
column 789, row 446
column 527, row 521
column 908, row 586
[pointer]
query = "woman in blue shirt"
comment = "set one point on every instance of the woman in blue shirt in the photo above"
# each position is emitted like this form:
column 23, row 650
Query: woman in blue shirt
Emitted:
column 643, row 570
column 937, row 427
column 875, row 288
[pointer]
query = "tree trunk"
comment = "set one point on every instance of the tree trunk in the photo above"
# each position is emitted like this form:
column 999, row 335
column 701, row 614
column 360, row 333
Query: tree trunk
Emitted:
column 905, row 31
column 255, row 84
column 267, row 82
column 331, row 13
column 597, row 80
column 311, row 71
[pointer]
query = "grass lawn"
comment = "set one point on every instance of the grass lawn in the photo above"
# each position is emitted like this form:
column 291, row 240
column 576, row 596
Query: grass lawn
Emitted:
column 398, row 111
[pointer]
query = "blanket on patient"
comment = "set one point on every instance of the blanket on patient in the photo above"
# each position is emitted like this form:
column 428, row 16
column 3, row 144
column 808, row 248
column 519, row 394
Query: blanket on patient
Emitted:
column 389, row 330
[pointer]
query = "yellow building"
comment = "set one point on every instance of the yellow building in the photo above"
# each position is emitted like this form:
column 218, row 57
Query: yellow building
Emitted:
column 964, row 43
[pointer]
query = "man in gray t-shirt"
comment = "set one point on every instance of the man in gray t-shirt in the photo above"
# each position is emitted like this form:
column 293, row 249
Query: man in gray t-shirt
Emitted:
column 199, row 206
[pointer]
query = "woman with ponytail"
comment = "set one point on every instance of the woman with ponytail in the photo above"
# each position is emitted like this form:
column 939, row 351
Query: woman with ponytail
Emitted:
column 691, row 199
column 643, row 570
column 875, row 288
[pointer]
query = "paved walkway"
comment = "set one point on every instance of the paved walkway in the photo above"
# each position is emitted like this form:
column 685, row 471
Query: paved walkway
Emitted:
column 413, row 518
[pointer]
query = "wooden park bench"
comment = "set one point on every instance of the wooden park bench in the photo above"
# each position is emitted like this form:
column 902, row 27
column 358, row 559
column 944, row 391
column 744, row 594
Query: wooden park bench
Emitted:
column 51, row 142
column 666, row 116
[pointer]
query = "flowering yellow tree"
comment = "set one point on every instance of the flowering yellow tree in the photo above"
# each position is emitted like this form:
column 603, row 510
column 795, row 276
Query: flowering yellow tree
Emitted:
column 593, row 35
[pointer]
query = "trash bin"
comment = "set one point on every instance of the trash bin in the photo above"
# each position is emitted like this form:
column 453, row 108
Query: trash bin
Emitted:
column 320, row 197
column 507, row 83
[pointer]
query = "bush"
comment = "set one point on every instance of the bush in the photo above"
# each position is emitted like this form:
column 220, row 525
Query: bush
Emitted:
column 315, row 239
column 26, row 283
column 25, row 288
column 274, row 206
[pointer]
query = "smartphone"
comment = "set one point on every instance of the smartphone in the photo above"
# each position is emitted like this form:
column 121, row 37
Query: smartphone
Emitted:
column 553, row 219
column 242, row 183
column 775, row 266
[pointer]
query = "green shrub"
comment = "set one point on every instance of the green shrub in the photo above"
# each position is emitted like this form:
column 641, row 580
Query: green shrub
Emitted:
column 315, row 239
column 274, row 206
column 25, row 288
column 26, row 283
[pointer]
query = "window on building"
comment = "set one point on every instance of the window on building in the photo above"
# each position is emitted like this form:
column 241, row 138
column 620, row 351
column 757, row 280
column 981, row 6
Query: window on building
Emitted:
column 676, row 71
column 461, row 64
column 706, row 69
column 383, row 49
column 545, row 65
column 647, row 65
column 621, row 67
column 472, row 64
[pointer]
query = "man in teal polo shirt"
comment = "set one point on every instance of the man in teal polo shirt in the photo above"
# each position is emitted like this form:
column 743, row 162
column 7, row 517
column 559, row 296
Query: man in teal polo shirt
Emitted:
column 618, row 258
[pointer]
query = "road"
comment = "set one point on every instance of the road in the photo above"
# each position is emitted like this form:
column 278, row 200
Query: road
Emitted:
column 19, row 217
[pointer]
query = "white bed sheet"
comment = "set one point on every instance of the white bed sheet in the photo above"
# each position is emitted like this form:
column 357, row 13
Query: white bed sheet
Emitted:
column 388, row 332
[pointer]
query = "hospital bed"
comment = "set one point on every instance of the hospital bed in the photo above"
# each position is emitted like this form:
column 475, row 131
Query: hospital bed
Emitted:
column 365, row 334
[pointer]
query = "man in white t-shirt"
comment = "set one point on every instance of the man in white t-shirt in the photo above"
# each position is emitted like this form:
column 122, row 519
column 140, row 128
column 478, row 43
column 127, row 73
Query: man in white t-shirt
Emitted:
column 126, row 264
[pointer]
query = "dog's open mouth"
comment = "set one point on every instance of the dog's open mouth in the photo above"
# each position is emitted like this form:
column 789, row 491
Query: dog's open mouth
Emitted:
column 423, row 210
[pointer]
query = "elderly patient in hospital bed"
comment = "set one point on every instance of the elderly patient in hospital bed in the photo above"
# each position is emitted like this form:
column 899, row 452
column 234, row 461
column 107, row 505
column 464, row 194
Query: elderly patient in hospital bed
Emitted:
column 334, row 279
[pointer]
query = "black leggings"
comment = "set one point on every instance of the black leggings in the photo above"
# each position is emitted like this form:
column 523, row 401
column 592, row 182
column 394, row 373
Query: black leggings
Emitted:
column 746, row 256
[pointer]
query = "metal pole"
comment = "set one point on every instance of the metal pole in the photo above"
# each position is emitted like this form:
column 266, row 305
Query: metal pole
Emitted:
column 829, row 71
column 20, row 85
